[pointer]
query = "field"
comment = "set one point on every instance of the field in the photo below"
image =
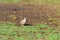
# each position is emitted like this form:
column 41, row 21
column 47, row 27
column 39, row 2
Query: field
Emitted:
column 10, row 31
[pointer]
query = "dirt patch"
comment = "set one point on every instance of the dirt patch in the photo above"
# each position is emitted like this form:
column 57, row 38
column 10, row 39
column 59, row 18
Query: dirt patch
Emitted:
column 35, row 14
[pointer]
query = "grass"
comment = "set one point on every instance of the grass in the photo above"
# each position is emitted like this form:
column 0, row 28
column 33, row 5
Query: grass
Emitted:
column 9, row 31
column 29, row 1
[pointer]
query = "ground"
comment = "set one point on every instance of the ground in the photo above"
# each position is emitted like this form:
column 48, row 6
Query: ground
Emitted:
column 35, row 14
column 9, row 31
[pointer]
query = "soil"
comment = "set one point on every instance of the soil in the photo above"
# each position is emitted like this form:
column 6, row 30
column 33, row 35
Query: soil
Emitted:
column 35, row 14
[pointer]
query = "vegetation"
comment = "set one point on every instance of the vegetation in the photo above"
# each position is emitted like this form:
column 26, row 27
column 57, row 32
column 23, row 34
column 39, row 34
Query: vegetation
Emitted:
column 30, row 1
column 9, row 31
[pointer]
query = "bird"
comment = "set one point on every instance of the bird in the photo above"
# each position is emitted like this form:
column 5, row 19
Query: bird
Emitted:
column 22, row 21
